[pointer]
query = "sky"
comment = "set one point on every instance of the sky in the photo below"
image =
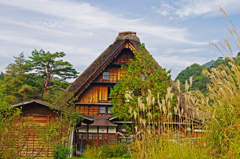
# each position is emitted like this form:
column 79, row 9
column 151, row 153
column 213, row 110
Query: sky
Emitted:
column 176, row 32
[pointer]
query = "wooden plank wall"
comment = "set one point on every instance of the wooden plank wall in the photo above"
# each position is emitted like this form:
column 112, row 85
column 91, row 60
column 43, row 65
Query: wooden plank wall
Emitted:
column 94, row 95
column 115, row 72
column 28, row 142
column 103, row 93
column 115, row 75
column 90, row 95
column 90, row 110
column 124, row 57
column 31, row 144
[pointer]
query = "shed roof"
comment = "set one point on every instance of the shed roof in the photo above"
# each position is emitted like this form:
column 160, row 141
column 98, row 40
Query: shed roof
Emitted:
column 44, row 103
column 102, row 121
column 39, row 101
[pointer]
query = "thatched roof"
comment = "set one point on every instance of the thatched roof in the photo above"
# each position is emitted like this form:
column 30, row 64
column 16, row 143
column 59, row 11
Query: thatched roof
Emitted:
column 100, row 63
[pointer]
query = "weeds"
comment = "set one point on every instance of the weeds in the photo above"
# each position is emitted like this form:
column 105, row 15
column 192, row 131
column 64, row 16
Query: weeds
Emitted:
column 106, row 151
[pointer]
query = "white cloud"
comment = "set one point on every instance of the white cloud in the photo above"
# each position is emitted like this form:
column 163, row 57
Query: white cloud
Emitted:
column 169, row 51
column 164, row 9
column 83, row 16
column 81, row 30
column 192, row 8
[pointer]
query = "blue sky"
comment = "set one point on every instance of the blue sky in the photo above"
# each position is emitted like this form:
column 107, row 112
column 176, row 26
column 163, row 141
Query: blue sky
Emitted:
column 176, row 33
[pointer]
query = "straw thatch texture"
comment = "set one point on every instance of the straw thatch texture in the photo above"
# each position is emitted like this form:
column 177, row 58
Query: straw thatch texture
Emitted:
column 86, row 78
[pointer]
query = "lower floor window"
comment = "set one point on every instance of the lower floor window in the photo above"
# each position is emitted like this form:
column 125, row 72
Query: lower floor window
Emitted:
column 90, row 136
column 100, row 136
column 111, row 139
column 84, row 136
column 109, row 110
column 102, row 110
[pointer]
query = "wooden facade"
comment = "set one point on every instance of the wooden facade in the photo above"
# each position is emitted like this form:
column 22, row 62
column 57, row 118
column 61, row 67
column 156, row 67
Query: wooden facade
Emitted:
column 95, row 101
column 39, row 113
column 92, row 88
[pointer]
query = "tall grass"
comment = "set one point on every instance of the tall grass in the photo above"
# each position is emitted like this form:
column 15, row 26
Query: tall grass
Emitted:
column 218, row 114
column 165, row 135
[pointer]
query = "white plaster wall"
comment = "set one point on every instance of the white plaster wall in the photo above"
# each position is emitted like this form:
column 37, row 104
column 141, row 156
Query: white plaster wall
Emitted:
column 84, row 129
column 111, row 129
column 92, row 129
column 102, row 129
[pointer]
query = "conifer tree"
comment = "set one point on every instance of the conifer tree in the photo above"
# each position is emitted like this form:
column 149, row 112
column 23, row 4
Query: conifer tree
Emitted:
column 49, row 70
column 15, row 79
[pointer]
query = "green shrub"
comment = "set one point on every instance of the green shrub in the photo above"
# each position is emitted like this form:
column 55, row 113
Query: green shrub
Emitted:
column 120, row 150
column 107, row 151
column 92, row 151
column 61, row 152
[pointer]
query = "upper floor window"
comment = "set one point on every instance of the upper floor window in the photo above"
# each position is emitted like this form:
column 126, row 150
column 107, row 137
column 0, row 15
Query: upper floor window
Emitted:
column 106, row 75
column 109, row 110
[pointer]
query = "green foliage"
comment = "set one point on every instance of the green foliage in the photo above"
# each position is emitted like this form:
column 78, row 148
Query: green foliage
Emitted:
column 158, row 147
column 4, row 105
column 49, row 71
column 61, row 152
column 196, row 72
column 27, row 78
column 1, row 76
column 63, row 100
column 13, row 135
column 200, row 81
column 16, row 81
column 57, row 131
column 107, row 151
column 217, row 62
column 142, row 74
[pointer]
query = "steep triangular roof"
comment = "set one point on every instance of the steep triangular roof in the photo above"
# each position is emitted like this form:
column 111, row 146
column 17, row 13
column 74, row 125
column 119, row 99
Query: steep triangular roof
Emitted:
column 124, row 40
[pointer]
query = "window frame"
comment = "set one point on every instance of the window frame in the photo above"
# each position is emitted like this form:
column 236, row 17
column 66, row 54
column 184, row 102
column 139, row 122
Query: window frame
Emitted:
column 106, row 76
column 108, row 110
column 111, row 139
column 100, row 110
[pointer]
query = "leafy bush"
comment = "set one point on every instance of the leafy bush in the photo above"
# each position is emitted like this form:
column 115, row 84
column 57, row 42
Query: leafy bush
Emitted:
column 61, row 152
column 92, row 151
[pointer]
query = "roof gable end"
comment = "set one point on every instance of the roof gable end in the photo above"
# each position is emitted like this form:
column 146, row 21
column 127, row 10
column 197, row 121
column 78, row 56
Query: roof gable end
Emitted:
column 124, row 40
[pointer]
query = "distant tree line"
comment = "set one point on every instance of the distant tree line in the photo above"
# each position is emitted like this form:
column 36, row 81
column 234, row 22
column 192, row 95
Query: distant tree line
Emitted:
column 201, row 81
